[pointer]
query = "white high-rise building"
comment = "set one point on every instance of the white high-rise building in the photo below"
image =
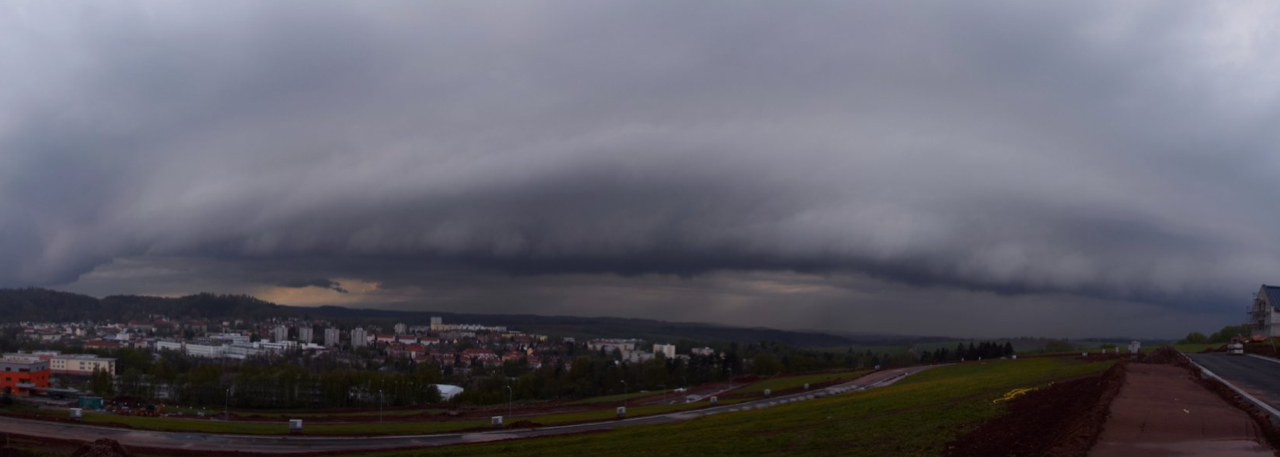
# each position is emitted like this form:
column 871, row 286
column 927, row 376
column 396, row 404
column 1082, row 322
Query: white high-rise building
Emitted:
column 401, row 328
column 436, row 323
column 306, row 335
column 667, row 350
column 359, row 337
column 331, row 337
column 280, row 334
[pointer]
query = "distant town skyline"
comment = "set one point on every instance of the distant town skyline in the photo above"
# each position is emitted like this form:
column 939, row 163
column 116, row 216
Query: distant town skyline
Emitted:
column 970, row 170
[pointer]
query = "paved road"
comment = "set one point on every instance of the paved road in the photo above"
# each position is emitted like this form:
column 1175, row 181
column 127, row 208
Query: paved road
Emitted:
column 285, row 444
column 1258, row 376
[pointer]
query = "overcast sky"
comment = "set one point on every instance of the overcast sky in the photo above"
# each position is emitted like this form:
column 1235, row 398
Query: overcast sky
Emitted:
column 968, row 169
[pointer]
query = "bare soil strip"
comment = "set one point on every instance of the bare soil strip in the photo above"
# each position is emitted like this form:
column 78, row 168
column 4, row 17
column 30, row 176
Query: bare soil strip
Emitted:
column 1063, row 419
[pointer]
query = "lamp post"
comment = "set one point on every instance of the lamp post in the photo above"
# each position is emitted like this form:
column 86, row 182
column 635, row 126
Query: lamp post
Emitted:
column 510, row 393
column 624, row 393
column 381, row 398
column 226, row 405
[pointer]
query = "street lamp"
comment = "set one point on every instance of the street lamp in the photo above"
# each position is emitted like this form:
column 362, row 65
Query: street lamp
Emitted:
column 510, row 393
column 381, row 399
column 226, row 406
column 624, row 393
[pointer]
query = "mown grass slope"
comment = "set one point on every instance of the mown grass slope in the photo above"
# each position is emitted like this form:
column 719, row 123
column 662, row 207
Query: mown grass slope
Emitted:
column 793, row 382
column 618, row 398
column 914, row 417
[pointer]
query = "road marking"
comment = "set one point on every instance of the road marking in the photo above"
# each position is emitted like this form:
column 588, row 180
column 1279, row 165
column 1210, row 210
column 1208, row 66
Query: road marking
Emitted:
column 1263, row 357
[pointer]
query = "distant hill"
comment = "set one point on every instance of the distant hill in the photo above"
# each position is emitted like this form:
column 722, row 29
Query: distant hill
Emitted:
column 34, row 304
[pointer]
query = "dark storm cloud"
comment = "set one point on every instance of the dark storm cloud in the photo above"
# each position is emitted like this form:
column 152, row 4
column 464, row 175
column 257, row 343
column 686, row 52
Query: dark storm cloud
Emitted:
column 1095, row 149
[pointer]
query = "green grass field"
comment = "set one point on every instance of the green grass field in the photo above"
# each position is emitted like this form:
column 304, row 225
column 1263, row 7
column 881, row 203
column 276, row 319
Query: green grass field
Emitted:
column 618, row 398
column 916, row 416
column 1188, row 348
column 300, row 414
column 792, row 382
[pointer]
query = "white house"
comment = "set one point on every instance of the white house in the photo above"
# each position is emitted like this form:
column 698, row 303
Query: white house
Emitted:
column 1263, row 316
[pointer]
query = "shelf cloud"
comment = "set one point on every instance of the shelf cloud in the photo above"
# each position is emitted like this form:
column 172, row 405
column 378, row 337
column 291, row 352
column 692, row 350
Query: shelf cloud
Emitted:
column 1090, row 151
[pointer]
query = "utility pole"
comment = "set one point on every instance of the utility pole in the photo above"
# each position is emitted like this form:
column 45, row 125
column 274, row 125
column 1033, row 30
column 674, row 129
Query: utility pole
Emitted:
column 624, row 393
column 381, row 399
column 510, row 394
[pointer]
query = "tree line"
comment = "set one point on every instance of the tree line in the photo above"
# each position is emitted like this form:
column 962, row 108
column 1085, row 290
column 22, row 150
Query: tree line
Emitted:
column 1219, row 337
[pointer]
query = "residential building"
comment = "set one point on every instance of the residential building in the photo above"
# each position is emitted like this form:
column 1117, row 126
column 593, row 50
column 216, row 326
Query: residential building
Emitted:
column 359, row 337
column 81, row 364
column 1264, row 317
column 667, row 350
column 331, row 337
column 436, row 322
column 280, row 334
column 401, row 329
column 306, row 334
column 611, row 345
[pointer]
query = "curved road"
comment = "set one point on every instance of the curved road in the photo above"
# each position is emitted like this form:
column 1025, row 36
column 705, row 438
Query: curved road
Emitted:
column 287, row 444
column 1258, row 376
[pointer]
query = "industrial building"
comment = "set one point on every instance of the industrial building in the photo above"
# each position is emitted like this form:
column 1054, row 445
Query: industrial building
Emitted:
column 22, row 377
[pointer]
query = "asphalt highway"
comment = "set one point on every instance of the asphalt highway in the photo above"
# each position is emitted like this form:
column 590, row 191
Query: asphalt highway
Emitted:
column 1258, row 376
column 289, row 444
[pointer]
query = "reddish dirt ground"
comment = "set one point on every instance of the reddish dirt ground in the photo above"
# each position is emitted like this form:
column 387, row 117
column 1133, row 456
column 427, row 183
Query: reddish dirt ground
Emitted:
column 1266, row 348
column 1063, row 419
column 1163, row 410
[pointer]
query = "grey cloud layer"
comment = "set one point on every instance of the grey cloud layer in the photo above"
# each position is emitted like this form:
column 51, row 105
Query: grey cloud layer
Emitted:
column 1115, row 150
